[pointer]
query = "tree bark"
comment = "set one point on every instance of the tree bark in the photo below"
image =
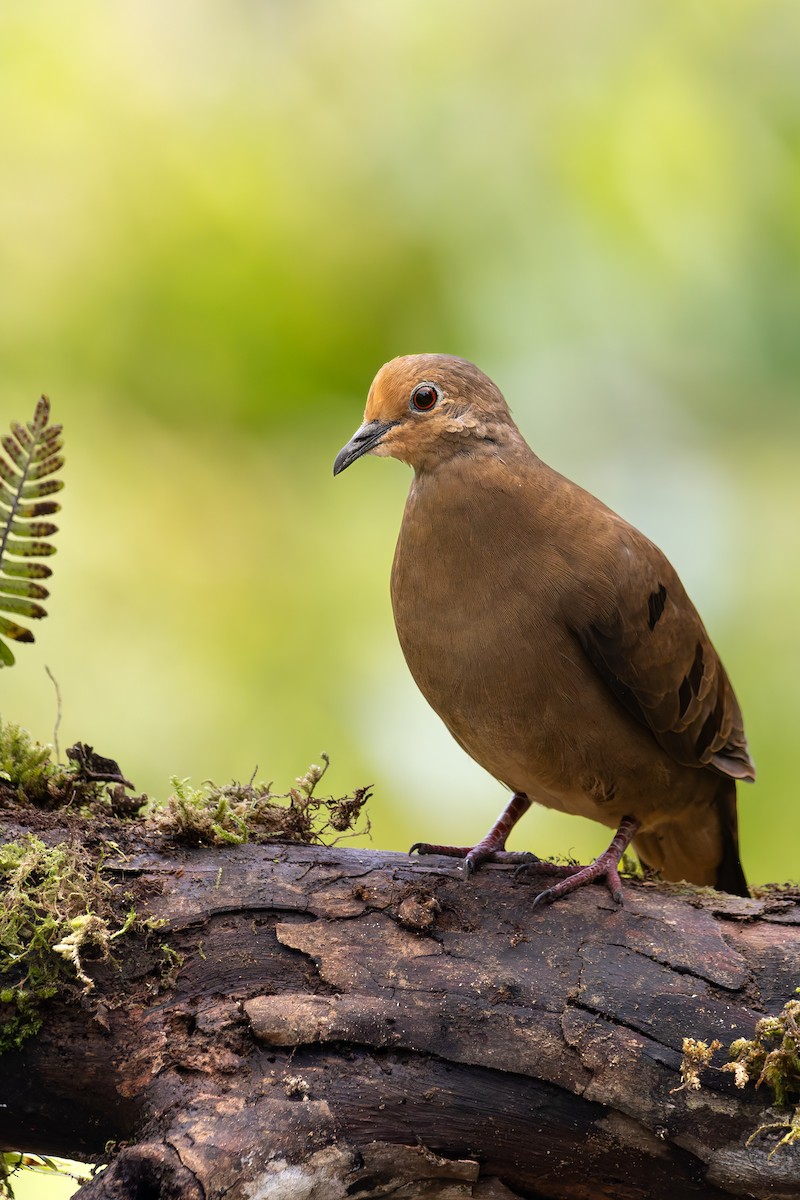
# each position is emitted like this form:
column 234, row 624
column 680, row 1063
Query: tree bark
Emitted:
column 352, row 1023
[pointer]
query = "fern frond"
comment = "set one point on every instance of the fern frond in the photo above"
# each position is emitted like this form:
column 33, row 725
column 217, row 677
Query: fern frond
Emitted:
column 32, row 456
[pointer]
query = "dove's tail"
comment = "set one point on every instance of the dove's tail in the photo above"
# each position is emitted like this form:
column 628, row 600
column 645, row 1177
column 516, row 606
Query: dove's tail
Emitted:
column 704, row 849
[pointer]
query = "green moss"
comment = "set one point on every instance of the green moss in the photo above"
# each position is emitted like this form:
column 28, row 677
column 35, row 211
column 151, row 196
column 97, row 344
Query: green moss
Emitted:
column 55, row 913
column 771, row 1056
column 171, row 963
column 26, row 769
column 235, row 813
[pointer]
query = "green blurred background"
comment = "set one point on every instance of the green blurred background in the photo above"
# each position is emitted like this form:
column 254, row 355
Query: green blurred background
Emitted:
column 217, row 220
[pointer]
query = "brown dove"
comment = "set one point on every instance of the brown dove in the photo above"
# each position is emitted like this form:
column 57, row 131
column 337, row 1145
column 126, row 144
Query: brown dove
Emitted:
column 554, row 640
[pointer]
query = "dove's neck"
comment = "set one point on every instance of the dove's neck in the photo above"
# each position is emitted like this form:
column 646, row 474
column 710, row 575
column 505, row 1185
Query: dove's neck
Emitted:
column 496, row 455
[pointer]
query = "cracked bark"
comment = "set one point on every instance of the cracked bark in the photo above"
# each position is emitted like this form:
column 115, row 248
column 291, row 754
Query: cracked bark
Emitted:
column 353, row 1023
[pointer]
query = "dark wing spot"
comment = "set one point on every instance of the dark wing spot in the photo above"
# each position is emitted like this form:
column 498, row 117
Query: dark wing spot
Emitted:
column 685, row 695
column 711, row 726
column 695, row 675
column 690, row 686
column 655, row 605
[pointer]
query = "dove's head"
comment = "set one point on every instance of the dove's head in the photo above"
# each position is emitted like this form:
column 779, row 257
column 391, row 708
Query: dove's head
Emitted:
column 426, row 408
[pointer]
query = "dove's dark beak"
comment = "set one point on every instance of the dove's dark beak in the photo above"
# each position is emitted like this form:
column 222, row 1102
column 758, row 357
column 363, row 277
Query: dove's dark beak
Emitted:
column 362, row 441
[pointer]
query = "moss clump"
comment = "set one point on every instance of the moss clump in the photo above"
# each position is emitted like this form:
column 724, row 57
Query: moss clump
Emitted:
column 697, row 1056
column 29, row 776
column 55, row 913
column 236, row 813
column 26, row 769
column 772, row 1057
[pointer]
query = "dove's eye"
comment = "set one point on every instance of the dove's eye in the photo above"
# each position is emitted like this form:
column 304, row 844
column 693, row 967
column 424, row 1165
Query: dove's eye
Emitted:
column 424, row 397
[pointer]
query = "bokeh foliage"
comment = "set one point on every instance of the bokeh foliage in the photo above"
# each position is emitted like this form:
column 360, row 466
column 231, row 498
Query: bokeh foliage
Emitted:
column 217, row 221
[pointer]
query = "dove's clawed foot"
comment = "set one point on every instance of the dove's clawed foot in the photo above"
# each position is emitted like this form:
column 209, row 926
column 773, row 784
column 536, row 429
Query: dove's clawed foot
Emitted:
column 605, row 867
column 492, row 848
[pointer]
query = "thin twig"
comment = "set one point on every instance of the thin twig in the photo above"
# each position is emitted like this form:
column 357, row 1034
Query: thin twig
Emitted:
column 58, row 713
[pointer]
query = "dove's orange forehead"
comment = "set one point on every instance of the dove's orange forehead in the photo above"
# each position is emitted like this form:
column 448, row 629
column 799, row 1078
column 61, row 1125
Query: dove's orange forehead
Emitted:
column 455, row 380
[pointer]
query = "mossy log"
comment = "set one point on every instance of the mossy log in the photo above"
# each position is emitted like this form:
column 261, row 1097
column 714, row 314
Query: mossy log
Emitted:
column 343, row 1022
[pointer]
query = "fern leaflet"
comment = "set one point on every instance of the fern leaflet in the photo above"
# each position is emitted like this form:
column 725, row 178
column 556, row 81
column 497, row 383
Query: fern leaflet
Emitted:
column 32, row 456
